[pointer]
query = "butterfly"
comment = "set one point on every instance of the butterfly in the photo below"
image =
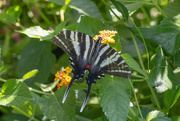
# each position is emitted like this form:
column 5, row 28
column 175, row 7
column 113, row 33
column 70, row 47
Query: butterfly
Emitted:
column 87, row 54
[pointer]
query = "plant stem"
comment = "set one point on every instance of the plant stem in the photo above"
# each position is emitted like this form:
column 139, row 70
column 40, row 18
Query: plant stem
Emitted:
column 136, row 98
column 37, row 91
column 111, row 10
column 159, row 8
column 24, row 113
column 143, row 42
column 150, row 86
column 154, row 95
column 43, row 16
column 138, row 52
column 3, row 80
column 132, row 112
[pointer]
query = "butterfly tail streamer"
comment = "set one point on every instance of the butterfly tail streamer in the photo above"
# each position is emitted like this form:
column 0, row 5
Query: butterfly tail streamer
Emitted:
column 86, row 98
column 67, row 90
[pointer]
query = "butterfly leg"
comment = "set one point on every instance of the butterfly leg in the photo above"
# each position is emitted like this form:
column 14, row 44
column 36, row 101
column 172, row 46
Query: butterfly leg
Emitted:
column 86, row 98
column 67, row 90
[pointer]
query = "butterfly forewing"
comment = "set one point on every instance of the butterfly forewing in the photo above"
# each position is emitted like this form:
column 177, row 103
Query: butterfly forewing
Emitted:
column 77, row 45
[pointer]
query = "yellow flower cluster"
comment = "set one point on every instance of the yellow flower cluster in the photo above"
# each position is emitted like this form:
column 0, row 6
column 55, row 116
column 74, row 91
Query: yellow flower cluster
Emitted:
column 63, row 77
column 106, row 36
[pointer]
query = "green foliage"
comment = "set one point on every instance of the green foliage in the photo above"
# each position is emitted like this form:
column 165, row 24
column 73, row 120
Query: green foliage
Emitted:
column 36, row 55
column 148, row 39
column 161, row 75
column 115, row 95
column 14, row 92
column 52, row 107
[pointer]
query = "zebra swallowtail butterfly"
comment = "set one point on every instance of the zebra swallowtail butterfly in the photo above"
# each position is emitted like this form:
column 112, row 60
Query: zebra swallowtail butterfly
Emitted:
column 85, row 53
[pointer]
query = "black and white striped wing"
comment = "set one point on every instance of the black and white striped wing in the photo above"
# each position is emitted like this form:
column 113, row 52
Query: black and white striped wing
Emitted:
column 105, row 60
column 77, row 45
column 108, row 61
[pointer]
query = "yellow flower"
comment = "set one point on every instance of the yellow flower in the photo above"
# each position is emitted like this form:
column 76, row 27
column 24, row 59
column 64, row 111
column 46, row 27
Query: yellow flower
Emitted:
column 63, row 77
column 68, row 70
column 106, row 36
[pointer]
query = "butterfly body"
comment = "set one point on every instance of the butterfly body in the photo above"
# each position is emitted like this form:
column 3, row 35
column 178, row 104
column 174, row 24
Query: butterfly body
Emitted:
column 85, row 53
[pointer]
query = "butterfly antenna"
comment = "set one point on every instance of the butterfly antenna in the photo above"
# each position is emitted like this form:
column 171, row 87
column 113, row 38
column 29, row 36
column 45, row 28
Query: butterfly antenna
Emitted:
column 86, row 98
column 67, row 90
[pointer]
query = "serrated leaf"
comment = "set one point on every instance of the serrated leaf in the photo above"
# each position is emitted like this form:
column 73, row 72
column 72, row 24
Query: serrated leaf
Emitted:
column 30, row 74
column 161, row 75
column 14, row 92
column 52, row 107
column 37, row 32
column 121, row 8
column 115, row 97
column 86, row 7
column 171, row 97
column 132, row 63
column 166, row 34
column 36, row 55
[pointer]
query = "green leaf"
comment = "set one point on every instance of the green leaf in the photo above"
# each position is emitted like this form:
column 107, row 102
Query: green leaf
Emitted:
column 115, row 95
column 30, row 74
column 166, row 34
column 175, row 118
column 5, row 18
column 60, row 27
column 91, row 26
column 14, row 11
column 87, row 7
column 103, row 118
column 37, row 32
column 153, row 114
column 171, row 97
column 161, row 75
column 172, row 9
column 30, row 107
column 121, row 8
column 132, row 63
column 52, row 107
column 14, row 92
column 161, row 119
column 36, row 55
